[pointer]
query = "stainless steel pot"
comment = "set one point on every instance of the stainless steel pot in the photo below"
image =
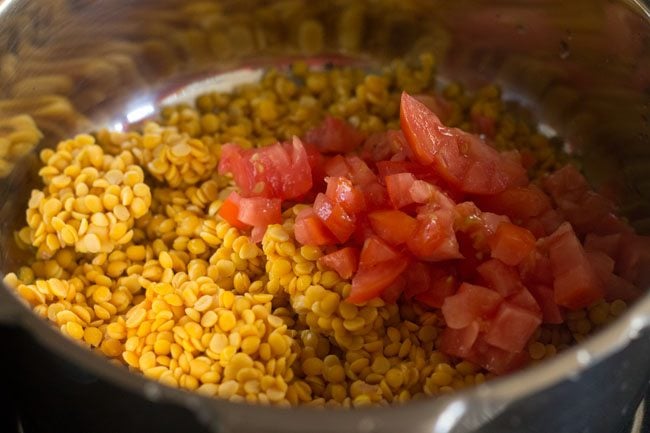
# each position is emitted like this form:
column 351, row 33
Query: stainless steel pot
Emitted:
column 584, row 66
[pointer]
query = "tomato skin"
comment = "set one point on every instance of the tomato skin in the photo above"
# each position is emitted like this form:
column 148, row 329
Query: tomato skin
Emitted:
column 310, row 230
column 370, row 282
column 393, row 226
column 335, row 218
column 344, row 261
column 459, row 342
column 460, row 158
column 434, row 238
column 470, row 303
column 576, row 284
column 341, row 190
column 511, row 244
column 511, row 328
column 500, row 277
column 229, row 211
column 334, row 135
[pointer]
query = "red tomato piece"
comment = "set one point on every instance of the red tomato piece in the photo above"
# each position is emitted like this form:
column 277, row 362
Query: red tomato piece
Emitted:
column 420, row 277
column 335, row 218
column 369, row 283
column 310, row 230
column 337, row 166
column 633, row 261
column 375, row 196
column 376, row 251
column 360, row 173
column 566, row 183
column 381, row 146
column 399, row 189
column 608, row 244
column 518, row 203
column 393, row 226
column 459, row 342
column 260, row 211
column 341, row 190
column 511, row 244
column 434, row 238
column 277, row 171
column 334, row 135
column 424, row 192
column 496, row 360
column 524, row 299
column 575, row 282
column 439, row 105
column 551, row 312
column 500, row 277
column 462, row 159
column 512, row 327
column 441, row 288
column 536, row 269
column 344, row 261
column 392, row 293
column 472, row 302
column 229, row 211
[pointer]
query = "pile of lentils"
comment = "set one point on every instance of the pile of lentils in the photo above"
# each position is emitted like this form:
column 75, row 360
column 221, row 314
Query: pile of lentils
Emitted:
column 129, row 256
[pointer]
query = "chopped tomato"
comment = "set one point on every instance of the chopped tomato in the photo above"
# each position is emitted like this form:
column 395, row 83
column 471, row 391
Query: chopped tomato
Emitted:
column 434, row 238
column 392, row 293
column 633, row 261
column 360, row 173
column 511, row 244
column 344, row 261
column 386, row 168
column 259, row 211
column 484, row 124
column 341, row 190
column 375, row 196
column 381, row 146
column 512, row 327
column 399, row 189
column 335, row 135
column 335, row 218
column 536, row 269
column 500, row 277
column 608, row 244
column 518, row 203
column 310, row 230
column 575, row 283
column 425, row 192
column 441, row 287
column 277, row 171
column 375, row 251
column 393, row 226
column 524, row 299
column 440, row 106
column 496, row 360
column 566, row 183
column 472, row 302
column 459, row 342
column 337, row 166
column 370, row 282
column 229, row 211
column 462, row 159
column 545, row 298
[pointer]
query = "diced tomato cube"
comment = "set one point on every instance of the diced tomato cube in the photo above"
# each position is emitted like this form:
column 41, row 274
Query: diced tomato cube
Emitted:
column 341, row 190
column 375, row 196
column 459, row 342
column 260, row 211
column 512, row 327
column 360, row 173
column 344, row 261
column 335, row 218
column 393, row 226
column 536, row 269
column 575, row 283
column 370, row 282
column 608, row 244
column 518, row 203
column 310, row 230
column 434, row 238
column 462, row 159
column 425, row 192
column 551, row 312
column 511, row 244
column 229, row 211
column 399, row 189
column 500, row 277
column 470, row 303
column 335, row 135
column 524, row 299
column 496, row 360
column 381, row 146
column 441, row 288
column 392, row 293
column 633, row 261
column 376, row 251
column 337, row 166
